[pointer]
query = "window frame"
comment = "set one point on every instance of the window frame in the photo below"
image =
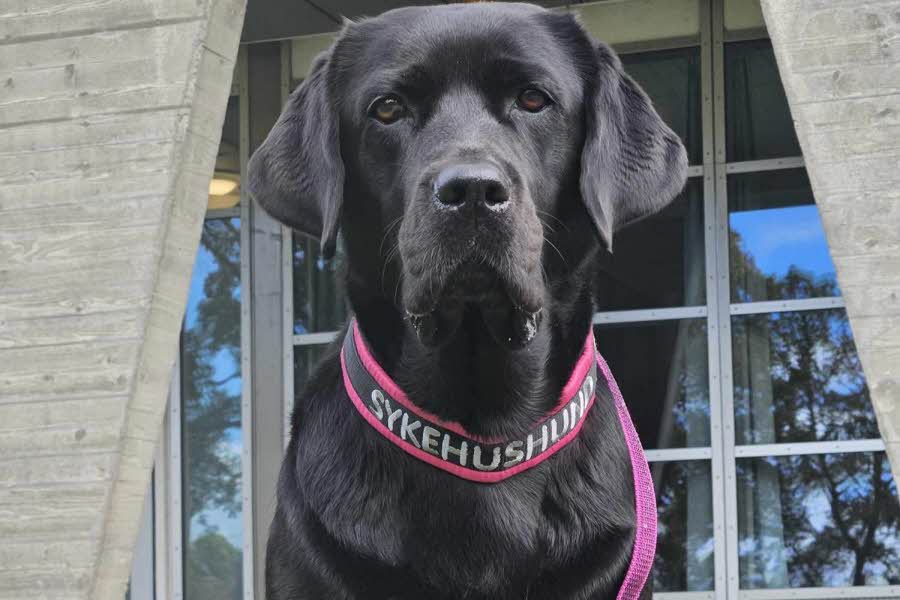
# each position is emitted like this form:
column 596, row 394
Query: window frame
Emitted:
column 166, row 561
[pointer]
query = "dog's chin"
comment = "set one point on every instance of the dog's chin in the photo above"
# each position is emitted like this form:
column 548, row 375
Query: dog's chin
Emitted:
column 475, row 295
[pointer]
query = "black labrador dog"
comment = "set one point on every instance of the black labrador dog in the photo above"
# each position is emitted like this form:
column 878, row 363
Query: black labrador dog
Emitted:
column 475, row 159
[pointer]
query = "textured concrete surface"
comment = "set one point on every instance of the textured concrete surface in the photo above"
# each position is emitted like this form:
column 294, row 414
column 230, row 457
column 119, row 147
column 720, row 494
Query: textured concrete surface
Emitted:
column 110, row 116
column 840, row 63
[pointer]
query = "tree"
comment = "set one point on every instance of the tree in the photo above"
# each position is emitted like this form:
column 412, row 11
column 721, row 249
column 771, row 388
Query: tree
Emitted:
column 798, row 378
column 213, row 569
column 211, row 411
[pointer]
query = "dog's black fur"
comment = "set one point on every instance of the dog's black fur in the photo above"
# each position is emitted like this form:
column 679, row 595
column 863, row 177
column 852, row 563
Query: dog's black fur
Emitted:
column 445, row 297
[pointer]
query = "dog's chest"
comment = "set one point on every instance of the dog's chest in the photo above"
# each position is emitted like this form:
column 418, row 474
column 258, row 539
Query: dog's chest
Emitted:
column 404, row 513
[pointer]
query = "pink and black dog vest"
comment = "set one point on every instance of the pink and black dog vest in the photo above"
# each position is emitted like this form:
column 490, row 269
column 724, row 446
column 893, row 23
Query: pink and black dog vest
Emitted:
column 447, row 446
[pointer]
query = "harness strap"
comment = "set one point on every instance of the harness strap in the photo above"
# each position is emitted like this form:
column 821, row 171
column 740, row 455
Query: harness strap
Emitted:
column 447, row 446
column 644, row 549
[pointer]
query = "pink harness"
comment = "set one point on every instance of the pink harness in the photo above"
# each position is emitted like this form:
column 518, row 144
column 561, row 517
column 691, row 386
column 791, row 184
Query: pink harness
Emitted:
column 447, row 446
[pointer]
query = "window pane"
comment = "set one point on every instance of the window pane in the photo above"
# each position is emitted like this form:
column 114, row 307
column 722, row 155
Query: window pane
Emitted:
column 797, row 378
column 306, row 358
column 672, row 80
column 658, row 262
column 818, row 521
column 777, row 244
column 684, row 543
column 661, row 368
column 319, row 302
column 211, row 430
column 225, row 188
column 758, row 121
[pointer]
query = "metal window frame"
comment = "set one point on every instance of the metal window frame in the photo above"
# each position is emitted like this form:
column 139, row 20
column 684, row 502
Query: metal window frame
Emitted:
column 807, row 448
column 174, row 509
column 142, row 582
column 320, row 338
column 768, row 164
column 818, row 593
column 779, row 306
column 724, row 312
column 679, row 454
column 727, row 474
column 650, row 314
column 684, row 595
column 247, row 556
column 714, row 337
column 223, row 213
column 287, row 276
column 161, row 517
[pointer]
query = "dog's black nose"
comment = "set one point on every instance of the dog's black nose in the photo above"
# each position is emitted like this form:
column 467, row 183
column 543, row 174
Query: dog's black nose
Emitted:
column 473, row 184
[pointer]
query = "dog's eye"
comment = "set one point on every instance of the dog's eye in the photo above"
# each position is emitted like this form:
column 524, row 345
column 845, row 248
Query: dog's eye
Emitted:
column 533, row 100
column 388, row 109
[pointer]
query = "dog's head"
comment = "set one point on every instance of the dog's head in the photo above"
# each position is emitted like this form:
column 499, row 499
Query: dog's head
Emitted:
column 468, row 138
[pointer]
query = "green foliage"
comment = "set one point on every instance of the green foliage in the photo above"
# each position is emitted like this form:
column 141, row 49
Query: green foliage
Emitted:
column 213, row 569
column 210, row 367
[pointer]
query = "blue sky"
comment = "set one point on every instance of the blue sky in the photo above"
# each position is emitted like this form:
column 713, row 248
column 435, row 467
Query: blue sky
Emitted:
column 780, row 237
column 224, row 365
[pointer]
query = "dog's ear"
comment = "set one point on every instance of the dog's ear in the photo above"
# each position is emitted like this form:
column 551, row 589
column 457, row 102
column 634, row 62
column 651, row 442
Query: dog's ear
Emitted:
column 297, row 174
column 632, row 164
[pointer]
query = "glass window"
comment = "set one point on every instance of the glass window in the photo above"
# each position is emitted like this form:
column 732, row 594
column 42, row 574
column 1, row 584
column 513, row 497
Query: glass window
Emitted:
column 306, row 358
column 818, row 521
column 758, row 122
column 658, row 262
column 777, row 244
column 211, row 428
column 684, row 544
column 662, row 369
column 225, row 185
column 319, row 300
column 797, row 378
column 672, row 80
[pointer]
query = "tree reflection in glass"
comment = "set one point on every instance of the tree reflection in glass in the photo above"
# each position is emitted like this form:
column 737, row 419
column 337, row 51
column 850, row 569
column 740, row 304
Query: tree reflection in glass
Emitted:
column 797, row 378
column 819, row 520
column 684, row 546
column 777, row 246
column 211, row 429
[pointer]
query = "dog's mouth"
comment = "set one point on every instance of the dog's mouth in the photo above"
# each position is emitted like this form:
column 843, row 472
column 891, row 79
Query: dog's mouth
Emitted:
column 475, row 293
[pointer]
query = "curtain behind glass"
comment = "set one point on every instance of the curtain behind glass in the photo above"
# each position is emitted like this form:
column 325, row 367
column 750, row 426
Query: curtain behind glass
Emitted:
column 758, row 122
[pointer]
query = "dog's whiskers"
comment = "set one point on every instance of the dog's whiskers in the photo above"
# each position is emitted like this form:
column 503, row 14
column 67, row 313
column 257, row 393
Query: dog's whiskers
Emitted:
column 387, row 231
column 546, row 225
column 552, row 245
column 554, row 217
column 387, row 261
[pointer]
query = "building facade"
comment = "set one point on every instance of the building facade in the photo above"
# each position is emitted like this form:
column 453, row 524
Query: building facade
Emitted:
column 723, row 319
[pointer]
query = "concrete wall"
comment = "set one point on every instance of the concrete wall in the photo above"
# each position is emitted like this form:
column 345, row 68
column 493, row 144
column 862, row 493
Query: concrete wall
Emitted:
column 110, row 116
column 840, row 63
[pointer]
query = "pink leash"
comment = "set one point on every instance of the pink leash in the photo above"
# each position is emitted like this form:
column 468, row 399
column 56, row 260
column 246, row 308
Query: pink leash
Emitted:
column 644, row 498
column 382, row 403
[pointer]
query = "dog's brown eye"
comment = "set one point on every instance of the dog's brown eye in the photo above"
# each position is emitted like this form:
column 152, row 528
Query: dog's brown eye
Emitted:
column 533, row 100
column 387, row 110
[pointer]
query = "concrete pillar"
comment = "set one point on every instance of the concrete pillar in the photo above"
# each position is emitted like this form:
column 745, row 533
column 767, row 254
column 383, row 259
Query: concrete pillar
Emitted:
column 840, row 64
column 110, row 117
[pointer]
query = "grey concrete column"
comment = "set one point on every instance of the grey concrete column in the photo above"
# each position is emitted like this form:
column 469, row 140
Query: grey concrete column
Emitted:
column 840, row 64
column 266, row 285
column 110, row 117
